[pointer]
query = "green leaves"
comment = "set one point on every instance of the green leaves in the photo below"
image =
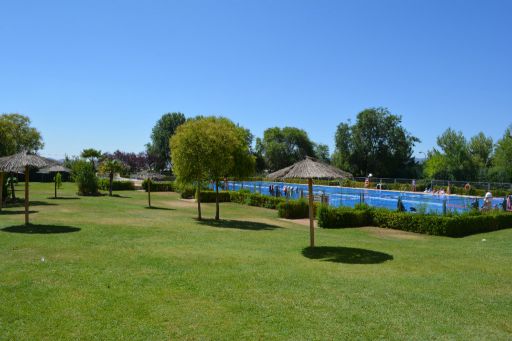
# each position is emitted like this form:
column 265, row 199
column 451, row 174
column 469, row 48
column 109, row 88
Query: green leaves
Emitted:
column 16, row 135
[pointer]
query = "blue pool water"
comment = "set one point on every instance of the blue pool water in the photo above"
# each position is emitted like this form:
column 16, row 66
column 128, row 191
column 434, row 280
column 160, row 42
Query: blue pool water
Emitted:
column 346, row 196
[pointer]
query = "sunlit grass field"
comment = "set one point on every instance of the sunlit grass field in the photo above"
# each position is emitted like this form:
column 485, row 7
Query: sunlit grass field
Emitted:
column 108, row 268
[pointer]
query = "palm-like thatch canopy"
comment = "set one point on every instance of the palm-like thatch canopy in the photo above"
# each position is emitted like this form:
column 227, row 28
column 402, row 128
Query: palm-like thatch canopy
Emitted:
column 310, row 168
column 55, row 169
column 18, row 162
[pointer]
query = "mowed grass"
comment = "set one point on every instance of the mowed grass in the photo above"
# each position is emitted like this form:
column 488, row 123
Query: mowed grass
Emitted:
column 114, row 269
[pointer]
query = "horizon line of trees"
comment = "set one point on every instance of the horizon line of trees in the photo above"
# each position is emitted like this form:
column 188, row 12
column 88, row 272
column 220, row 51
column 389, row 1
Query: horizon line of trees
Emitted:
column 375, row 143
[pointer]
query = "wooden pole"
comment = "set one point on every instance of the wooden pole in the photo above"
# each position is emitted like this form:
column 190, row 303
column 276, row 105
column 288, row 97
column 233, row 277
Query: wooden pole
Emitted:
column 1, row 189
column 26, row 195
column 311, row 217
column 149, row 192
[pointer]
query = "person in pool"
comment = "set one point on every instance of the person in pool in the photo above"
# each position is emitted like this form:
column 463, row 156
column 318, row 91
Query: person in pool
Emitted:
column 487, row 206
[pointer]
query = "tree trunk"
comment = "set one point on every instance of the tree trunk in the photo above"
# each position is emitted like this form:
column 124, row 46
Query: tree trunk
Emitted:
column 217, row 213
column 311, row 217
column 13, row 194
column 111, row 176
column 1, row 190
column 198, row 194
column 55, row 180
column 149, row 192
column 26, row 195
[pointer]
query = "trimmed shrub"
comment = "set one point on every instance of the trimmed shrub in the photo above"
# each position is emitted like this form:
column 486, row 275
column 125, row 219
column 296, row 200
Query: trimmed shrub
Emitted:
column 85, row 178
column 294, row 209
column 340, row 217
column 159, row 186
column 104, row 185
column 209, row 196
column 455, row 225
column 255, row 199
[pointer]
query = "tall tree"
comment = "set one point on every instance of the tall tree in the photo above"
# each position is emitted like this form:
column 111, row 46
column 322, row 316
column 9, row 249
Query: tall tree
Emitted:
column 210, row 148
column 458, row 159
column 93, row 155
column 376, row 143
column 110, row 167
column 502, row 163
column 481, row 149
column 16, row 135
column 283, row 147
column 322, row 152
column 163, row 130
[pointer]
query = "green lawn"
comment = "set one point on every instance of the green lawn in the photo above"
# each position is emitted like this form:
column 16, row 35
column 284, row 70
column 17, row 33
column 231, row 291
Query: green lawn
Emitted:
column 115, row 270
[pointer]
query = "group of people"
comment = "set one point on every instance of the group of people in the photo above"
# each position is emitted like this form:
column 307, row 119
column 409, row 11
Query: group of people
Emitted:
column 287, row 190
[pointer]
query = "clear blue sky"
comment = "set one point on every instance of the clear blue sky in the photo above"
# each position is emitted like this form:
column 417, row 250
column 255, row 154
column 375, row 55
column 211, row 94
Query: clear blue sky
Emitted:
column 100, row 73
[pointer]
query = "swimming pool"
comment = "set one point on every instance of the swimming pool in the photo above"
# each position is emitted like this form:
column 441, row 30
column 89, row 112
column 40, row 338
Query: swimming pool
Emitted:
column 347, row 196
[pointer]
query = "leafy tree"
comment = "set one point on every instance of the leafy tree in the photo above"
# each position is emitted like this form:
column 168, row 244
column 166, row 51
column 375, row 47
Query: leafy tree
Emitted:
column 16, row 135
column 210, row 148
column 93, row 155
column 58, row 182
column 84, row 176
column 481, row 149
column 322, row 152
column 163, row 130
column 458, row 159
column 283, row 147
column 111, row 167
column 376, row 143
column 133, row 162
column 502, row 163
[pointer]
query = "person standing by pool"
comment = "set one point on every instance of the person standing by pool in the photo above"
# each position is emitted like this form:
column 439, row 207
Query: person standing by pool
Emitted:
column 413, row 185
column 487, row 202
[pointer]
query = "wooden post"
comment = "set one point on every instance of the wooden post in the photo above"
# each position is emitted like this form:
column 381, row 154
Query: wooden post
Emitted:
column 149, row 192
column 26, row 195
column 1, row 189
column 311, row 217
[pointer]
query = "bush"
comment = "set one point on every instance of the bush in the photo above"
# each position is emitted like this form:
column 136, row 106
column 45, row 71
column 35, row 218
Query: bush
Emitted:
column 209, row 196
column 294, row 209
column 104, row 185
column 85, row 177
column 454, row 225
column 332, row 217
column 159, row 186
column 255, row 199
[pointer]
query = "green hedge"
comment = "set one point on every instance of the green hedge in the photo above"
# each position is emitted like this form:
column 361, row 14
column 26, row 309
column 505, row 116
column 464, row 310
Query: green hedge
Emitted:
column 331, row 217
column 209, row 196
column 295, row 209
column 255, row 199
column 159, row 186
column 104, row 185
column 457, row 225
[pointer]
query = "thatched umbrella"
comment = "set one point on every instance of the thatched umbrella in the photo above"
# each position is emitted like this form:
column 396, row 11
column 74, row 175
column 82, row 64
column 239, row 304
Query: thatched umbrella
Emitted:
column 310, row 169
column 19, row 162
column 55, row 169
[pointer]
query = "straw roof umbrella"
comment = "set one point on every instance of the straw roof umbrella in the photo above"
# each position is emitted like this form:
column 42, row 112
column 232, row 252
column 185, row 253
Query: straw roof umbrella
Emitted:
column 55, row 169
column 310, row 169
column 18, row 163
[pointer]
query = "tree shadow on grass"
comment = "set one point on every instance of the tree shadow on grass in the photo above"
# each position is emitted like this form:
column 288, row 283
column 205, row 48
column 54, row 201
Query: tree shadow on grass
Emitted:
column 4, row 212
column 238, row 224
column 159, row 208
column 21, row 203
column 120, row 196
column 40, row 229
column 346, row 255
